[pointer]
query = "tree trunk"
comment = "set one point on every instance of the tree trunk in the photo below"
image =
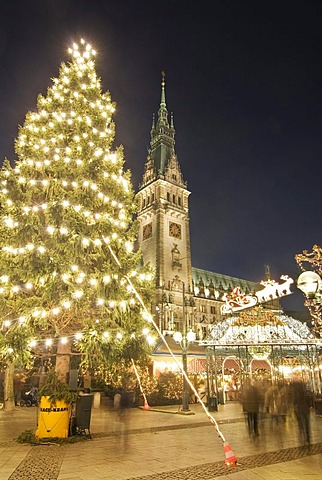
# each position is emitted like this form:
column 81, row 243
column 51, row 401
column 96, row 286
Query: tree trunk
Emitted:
column 63, row 362
column 9, row 396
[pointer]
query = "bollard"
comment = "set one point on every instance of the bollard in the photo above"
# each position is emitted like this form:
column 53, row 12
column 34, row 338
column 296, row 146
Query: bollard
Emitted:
column 117, row 401
column 97, row 400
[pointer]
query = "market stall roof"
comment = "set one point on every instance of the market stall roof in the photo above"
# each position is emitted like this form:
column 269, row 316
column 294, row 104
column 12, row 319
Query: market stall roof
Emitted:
column 194, row 350
column 260, row 327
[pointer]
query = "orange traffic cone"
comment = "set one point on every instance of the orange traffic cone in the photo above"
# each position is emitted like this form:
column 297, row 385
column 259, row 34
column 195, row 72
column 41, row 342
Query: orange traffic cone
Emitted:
column 230, row 457
column 146, row 405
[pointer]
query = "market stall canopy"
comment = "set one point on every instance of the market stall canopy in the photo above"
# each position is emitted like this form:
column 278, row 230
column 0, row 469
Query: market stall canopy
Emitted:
column 194, row 350
column 260, row 327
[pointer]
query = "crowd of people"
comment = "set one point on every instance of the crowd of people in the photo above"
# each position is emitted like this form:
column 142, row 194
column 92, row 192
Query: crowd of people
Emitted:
column 277, row 401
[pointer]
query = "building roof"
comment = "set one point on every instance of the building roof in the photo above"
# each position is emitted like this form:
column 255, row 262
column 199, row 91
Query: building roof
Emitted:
column 222, row 282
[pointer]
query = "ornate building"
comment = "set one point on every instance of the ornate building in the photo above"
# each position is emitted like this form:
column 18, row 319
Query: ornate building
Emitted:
column 182, row 291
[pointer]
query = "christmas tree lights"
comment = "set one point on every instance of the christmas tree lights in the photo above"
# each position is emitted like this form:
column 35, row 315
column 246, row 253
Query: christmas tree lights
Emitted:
column 67, row 203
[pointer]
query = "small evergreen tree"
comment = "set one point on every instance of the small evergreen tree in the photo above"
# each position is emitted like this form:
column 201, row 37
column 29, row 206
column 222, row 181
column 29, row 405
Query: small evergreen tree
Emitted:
column 66, row 226
column 14, row 353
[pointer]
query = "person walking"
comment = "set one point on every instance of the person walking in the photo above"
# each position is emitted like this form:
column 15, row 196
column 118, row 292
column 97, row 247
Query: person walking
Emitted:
column 251, row 403
column 302, row 401
column 270, row 407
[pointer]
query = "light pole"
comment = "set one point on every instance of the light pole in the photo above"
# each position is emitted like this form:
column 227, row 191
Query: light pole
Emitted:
column 184, row 339
column 310, row 283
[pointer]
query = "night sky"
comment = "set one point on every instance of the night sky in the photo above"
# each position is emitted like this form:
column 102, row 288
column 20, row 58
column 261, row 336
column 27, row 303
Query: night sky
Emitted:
column 243, row 80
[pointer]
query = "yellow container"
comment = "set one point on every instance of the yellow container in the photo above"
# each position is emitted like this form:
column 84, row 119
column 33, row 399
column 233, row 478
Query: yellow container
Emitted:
column 53, row 420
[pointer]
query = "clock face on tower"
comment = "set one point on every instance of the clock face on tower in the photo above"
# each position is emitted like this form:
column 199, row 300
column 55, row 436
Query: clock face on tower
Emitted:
column 175, row 230
column 147, row 231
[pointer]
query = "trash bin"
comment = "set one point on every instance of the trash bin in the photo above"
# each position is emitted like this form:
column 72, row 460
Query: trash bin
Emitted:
column 53, row 421
column 83, row 413
column 212, row 404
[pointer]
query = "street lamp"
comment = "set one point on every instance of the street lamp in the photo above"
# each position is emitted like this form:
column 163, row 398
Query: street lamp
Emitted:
column 184, row 339
column 310, row 283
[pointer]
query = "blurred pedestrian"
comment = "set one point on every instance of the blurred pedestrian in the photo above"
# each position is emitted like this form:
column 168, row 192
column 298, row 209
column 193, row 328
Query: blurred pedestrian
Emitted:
column 284, row 401
column 302, row 401
column 251, row 403
column 271, row 402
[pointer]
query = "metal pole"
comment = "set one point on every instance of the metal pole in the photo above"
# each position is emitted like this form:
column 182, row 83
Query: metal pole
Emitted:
column 216, row 378
column 207, row 369
column 185, row 391
column 311, row 371
column 318, row 365
column 281, row 362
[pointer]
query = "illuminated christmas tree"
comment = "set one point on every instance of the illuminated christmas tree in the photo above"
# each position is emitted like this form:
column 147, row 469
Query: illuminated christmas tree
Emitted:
column 67, row 264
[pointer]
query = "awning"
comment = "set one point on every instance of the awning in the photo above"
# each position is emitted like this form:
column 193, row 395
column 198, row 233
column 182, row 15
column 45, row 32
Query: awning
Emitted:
column 197, row 365
column 235, row 364
column 194, row 350
column 257, row 364
column 231, row 364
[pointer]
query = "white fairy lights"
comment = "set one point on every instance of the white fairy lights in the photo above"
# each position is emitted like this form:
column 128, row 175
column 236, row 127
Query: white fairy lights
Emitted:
column 66, row 162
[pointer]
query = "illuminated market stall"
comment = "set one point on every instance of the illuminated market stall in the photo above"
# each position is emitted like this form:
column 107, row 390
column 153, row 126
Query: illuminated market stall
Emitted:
column 260, row 343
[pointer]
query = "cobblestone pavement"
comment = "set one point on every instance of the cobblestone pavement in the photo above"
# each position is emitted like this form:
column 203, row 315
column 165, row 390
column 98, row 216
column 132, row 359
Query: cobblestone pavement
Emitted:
column 44, row 462
column 211, row 470
column 158, row 446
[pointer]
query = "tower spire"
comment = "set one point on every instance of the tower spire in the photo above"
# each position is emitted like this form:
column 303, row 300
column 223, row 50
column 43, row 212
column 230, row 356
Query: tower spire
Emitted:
column 163, row 112
column 163, row 88
column 162, row 159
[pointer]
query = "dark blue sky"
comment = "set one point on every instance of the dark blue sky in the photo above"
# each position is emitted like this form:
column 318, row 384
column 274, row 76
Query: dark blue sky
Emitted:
column 243, row 79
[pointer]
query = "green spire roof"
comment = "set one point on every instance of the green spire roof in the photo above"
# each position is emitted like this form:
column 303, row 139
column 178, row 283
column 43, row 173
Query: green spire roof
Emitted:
column 162, row 135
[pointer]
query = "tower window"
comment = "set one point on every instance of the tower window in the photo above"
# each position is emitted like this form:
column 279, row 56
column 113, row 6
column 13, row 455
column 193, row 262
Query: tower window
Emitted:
column 152, row 197
column 179, row 201
column 174, row 199
column 168, row 196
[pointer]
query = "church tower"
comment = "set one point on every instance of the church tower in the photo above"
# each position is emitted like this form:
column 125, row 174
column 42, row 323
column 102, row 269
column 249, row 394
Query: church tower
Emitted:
column 163, row 216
